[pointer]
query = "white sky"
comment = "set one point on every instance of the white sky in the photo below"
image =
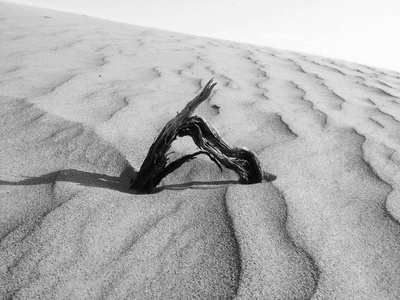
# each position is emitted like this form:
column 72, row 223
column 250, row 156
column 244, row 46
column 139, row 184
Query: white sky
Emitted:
column 364, row 31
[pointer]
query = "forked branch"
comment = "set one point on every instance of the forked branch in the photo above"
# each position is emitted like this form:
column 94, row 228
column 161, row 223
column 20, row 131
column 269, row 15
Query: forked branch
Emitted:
column 155, row 166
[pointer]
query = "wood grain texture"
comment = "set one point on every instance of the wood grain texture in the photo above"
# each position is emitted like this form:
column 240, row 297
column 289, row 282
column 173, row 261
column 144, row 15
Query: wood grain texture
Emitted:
column 155, row 166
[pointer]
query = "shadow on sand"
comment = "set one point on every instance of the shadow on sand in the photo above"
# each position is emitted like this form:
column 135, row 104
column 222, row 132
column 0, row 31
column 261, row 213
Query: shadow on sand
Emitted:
column 196, row 185
column 121, row 183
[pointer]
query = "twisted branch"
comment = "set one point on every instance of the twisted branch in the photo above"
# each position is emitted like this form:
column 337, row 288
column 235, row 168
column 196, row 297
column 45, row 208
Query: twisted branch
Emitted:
column 155, row 166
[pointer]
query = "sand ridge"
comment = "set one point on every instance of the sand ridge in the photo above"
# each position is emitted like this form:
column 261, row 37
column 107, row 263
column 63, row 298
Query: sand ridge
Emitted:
column 81, row 101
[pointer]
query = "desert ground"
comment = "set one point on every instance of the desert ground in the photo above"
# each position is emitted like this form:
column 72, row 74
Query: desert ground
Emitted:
column 81, row 101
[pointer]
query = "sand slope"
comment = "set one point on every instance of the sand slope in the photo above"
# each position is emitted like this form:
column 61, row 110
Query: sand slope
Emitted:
column 81, row 101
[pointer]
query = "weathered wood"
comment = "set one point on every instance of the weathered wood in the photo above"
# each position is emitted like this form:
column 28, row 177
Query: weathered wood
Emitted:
column 155, row 166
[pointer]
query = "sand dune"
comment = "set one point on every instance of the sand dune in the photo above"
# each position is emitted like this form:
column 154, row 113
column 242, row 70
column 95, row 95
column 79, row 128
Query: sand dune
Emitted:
column 82, row 100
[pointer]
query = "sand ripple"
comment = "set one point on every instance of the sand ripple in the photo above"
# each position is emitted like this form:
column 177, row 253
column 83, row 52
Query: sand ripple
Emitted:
column 81, row 101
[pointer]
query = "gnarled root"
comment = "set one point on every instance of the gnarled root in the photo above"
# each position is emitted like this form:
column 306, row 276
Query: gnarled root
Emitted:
column 155, row 166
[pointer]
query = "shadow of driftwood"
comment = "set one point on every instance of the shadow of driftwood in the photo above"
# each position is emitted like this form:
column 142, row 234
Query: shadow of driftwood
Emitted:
column 196, row 185
column 207, row 184
column 121, row 183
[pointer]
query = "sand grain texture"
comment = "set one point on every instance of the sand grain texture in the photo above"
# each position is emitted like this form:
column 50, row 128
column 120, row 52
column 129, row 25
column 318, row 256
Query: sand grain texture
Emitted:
column 81, row 102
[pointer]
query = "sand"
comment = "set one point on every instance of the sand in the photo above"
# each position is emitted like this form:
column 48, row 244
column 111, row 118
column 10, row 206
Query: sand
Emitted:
column 81, row 101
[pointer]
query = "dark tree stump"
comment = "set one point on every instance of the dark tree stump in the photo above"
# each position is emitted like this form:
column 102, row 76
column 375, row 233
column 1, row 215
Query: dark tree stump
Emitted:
column 155, row 166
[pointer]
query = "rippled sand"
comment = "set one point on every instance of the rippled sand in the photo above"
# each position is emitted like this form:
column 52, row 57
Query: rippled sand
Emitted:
column 81, row 102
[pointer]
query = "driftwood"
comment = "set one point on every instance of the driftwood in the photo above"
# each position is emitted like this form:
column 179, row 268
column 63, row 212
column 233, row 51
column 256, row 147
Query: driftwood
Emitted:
column 155, row 166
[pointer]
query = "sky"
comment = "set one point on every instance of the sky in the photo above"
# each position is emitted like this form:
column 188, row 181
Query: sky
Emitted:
column 363, row 31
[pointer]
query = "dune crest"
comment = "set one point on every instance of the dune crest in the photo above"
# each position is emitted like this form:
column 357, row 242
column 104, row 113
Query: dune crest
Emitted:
column 81, row 101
